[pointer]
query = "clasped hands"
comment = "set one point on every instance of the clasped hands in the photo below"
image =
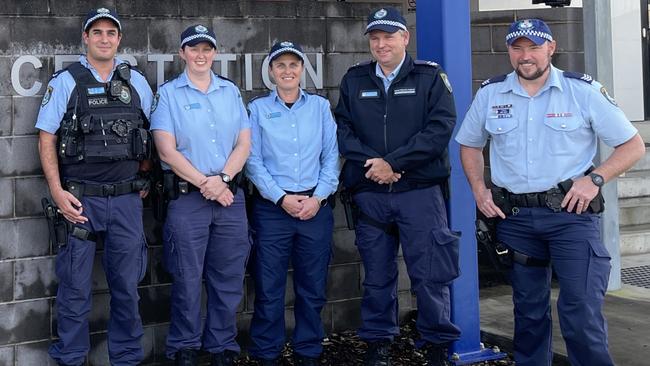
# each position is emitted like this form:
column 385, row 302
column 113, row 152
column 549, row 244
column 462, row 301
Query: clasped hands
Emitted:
column 214, row 189
column 380, row 171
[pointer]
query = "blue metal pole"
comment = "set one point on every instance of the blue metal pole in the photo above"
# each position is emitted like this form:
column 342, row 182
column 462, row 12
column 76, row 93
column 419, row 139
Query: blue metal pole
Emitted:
column 443, row 36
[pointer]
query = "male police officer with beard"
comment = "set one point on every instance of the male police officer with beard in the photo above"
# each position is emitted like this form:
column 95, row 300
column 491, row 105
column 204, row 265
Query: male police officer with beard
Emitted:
column 544, row 124
column 92, row 139
column 395, row 118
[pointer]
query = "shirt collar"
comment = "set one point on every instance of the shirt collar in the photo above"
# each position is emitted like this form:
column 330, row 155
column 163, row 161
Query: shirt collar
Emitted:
column 83, row 60
column 512, row 84
column 277, row 99
column 393, row 74
column 184, row 80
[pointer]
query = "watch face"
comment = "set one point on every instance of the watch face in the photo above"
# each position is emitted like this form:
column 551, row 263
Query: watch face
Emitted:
column 597, row 179
column 225, row 177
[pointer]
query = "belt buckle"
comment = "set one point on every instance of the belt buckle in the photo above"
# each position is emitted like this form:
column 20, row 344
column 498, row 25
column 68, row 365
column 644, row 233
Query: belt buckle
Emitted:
column 108, row 189
column 553, row 199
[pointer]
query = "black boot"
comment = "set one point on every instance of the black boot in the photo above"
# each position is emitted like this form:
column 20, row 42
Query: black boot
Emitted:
column 378, row 354
column 225, row 358
column 299, row 360
column 186, row 357
column 436, row 354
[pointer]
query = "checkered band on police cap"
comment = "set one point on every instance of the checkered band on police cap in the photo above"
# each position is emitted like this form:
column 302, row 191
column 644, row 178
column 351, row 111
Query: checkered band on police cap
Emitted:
column 196, row 34
column 286, row 47
column 534, row 29
column 101, row 13
column 387, row 19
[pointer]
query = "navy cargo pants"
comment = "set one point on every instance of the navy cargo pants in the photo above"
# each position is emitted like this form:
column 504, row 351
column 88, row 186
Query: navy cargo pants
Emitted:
column 581, row 263
column 205, row 241
column 118, row 220
column 431, row 254
column 280, row 239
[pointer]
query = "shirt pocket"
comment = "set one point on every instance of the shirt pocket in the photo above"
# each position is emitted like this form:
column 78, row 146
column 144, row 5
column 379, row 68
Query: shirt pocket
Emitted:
column 562, row 134
column 505, row 135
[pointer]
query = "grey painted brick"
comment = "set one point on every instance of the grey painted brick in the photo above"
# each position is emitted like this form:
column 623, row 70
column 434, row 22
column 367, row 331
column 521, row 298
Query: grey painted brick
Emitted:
column 551, row 14
column 346, row 315
column 5, row 115
column 159, row 338
column 337, row 64
column 164, row 34
column 338, row 211
column 343, row 248
column 481, row 38
column 5, row 75
column 5, row 36
column 499, row 38
column 569, row 37
column 569, row 61
column 34, row 354
column 346, row 35
column 242, row 35
column 223, row 8
column 20, row 156
column 100, row 311
column 152, row 228
column 403, row 281
column 486, row 66
column 492, row 17
column 158, row 273
column 147, row 346
column 6, row 356
column 35, row 278
column 343, row 282
column 155, row 304
column 24, row 7
column 29, row 192
column 311, row 36
column 269, row 8
column 98, row 355
column 47, row 36
column 243, row 326
column 25, row 113
column 23, row 238
column 7, row 283
column 78, row 8
column 7, row 194
column 24, row 321
column 144, row 8
column 134, row 39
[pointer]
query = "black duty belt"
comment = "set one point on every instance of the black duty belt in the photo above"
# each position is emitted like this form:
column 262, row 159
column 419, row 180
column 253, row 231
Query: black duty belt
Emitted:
column 80, row 189
column 536, row 199
column 309, row 192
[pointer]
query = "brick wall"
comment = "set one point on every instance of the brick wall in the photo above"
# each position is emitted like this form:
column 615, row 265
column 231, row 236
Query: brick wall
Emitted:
column 45, row 28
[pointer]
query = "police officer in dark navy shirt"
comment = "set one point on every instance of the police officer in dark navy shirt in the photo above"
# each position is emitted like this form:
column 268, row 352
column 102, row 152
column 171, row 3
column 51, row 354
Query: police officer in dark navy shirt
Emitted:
column 395, row 117
column 93, row 138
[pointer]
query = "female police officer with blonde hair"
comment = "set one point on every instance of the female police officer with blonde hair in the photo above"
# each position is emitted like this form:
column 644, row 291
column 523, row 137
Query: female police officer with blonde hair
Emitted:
column 294, row 166
column 202, row 133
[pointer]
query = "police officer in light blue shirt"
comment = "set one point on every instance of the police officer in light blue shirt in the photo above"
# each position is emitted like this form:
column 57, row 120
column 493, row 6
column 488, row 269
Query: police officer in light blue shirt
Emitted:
column 202, row 133
column 294, row 166
column 90, row 159
column 543, row 125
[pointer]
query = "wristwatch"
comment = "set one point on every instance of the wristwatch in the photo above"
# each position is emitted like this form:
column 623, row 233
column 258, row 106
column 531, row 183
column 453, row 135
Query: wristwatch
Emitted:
column 597, row 179
column 322, row 202
column 225, row 177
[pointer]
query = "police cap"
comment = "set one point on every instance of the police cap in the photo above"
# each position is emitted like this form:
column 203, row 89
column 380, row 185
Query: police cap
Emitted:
column 387, row 19
column 102, row 13
column 196, row 34
column 534, row 29
column 283, row 47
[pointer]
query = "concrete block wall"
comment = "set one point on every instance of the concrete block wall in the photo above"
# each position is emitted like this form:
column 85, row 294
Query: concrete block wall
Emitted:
column 489, row 29
column 45, row 28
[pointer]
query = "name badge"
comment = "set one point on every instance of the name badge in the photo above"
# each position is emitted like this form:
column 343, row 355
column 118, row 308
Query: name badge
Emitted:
column 559, row 115
column 192, row 106
column 404, row 91
column 366, row 94
column 273, row 115
column 501, row 111
column 98, row 90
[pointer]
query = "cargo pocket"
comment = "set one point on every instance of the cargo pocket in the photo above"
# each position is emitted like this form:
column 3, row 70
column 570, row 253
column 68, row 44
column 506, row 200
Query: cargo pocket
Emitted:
column 444, row 255
column 143, row 258
column 170, row 252
column 598, row 271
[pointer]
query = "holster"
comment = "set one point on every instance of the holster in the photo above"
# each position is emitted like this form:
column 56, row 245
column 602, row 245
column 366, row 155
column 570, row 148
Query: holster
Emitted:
column 56, row 224
column 350, row 208
column 486, row 234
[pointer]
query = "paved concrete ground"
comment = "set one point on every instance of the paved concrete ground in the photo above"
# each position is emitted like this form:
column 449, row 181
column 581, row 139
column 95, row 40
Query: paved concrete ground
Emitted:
column 627, row 312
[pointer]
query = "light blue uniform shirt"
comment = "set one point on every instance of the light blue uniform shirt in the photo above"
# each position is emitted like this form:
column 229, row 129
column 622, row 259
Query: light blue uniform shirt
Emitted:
column 206, row 125
column 537, row 142
column 387, row 80
column 293, row 149
column 60, row 88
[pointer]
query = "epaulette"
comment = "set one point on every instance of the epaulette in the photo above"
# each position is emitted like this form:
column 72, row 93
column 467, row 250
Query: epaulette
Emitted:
column 426, row 63
column 225, row 78
column 169, row 80
column 135, row 69
column 259, row 96
column 359, row 64
column 316, row 94
column 496, row 79
column 59, row 72
column 578, row 75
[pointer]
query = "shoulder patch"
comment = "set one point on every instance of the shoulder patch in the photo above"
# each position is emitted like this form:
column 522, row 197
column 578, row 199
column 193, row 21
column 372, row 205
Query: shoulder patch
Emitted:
column 47, row 96
column 266, row 94
column 578, row 75
column 316, row 94
column 496, row 79
column 426, row 63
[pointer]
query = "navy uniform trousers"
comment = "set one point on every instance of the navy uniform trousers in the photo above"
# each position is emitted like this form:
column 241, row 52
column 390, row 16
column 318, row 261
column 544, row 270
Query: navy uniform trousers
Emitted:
column 118, row 220
column 205, row 241
column 430, row 251
column 581, row 263
column 280, row 238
